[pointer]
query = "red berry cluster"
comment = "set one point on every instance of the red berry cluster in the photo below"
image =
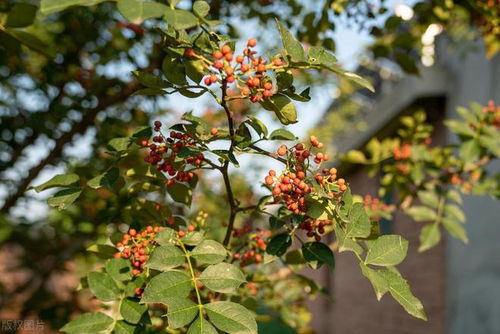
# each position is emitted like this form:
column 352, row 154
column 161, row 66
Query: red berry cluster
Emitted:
column 136, row 246
column 315, row 228
column 300, row 154
column 290, row 188
column 163, row 154
column 247, row 70
column 254, row 250
column 402, row 152
column 374, row 206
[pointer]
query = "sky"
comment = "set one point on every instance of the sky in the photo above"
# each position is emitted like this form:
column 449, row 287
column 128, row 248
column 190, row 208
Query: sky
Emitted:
column 350, row 42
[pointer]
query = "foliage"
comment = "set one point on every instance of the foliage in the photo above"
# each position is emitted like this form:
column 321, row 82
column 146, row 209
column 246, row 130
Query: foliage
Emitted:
column 181, row 277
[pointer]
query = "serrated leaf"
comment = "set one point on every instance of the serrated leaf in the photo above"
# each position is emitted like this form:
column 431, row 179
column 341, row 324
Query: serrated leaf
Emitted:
column 459, row 127
column 165, row 257
column 278, row 244
column 318, row 252
column 106, row 179
column 282, row 134
column 193, row 238
column 292, row 46
column 400, row 291
column 167, row 285
column 166, row 236
column 64, row 198
column 222, row 277
column 181, row 311
column 379, row 283
column 231, row 318
column 201, row 326
column 132, row 311
column 103, row 286
column 359, row 222
column 430, row 235
column 209, row 251
column 318, row 55
column 346, row 243
column 257, row 125
column 387, row 250
column 119, row 269
column 86, row 323
column 454, row 212
column 61, row 180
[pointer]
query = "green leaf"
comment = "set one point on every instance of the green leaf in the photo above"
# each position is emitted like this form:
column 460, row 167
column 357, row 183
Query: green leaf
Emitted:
column 387, row 250
column 346, row 243
column 469, row 151
column 103, row 286
column 136, row 11
column 400, row 291
column 201, row 326
column 293, row 47
column 257, row 125
column 123, row 327
column 180, row 193
column 456, row 229
column 222, row 277
column 174, row 70
column 165, row 257
column 181, row 311
column 119, row 144
column 282, row 134
column 459, row 127
column 61, row 180
column 195, row 70
column 209, row 251
column 422, row 213
column 106, row 179
column 279, row 244
column 406, row 62
column 180, row 19
column 355, row 157
column 193, row 238
column 318, row 252
column 63, row 198
column 227, row 156
column 201, row 8
column 359, row 223
column 21, row 15
column 52, row 6
column 119, row 269
column 103, row 251
column 132, row 311
column 167, row 285
column 283, row 107
column 429, row 198
column 429, row 237
column 276, row 223
column 150, row 80
column 454, row 212
column 379, row 283
column 231, row 318
column 86, row 323
column 166, row 236
column 31, row 41
column 318, row 55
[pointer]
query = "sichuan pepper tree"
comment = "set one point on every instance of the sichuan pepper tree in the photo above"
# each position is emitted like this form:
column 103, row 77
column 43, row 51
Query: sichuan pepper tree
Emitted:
column 182, row 274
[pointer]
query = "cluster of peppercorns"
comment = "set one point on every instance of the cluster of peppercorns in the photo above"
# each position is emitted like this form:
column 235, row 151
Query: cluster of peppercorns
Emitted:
column 253, row 251
column 328, row 179
column 315, row 228
column 136, row 246
column 375, row 207
column 402, row 152
column 290, row 188
column 163, row 155
column 301, row 154
column 493, row 113
column 247, row 70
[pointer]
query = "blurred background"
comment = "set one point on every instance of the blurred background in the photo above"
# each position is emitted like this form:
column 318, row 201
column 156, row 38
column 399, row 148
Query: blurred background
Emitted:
column 65, row 92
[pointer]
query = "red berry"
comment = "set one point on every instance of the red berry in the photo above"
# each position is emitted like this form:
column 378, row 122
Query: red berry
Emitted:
column 252, row 42
column 240, row 59
column 214, row 132
column 282, row 150
column 218, row 55
column 226, row 49
column 268, row 85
